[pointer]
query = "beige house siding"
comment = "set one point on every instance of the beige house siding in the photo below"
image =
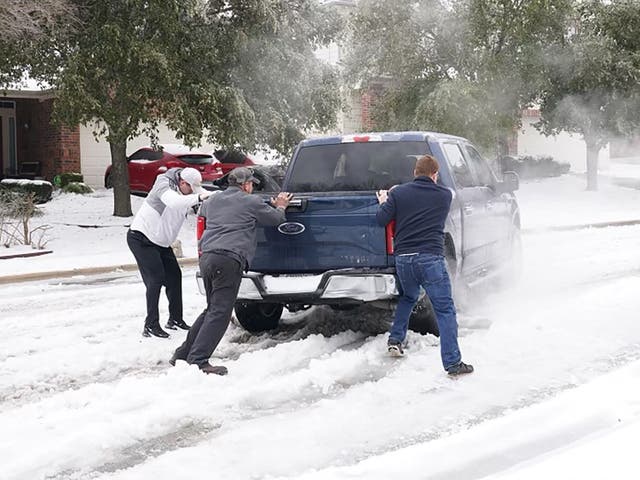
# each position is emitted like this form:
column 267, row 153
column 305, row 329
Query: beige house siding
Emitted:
column 96, row 156
column 565, row 147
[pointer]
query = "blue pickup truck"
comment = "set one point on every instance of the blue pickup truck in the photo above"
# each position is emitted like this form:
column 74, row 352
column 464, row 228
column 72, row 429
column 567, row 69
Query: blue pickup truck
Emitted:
column 331, row 251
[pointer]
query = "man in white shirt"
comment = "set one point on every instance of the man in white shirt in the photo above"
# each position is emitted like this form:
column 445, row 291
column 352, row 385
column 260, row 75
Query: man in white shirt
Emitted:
column 153, row 230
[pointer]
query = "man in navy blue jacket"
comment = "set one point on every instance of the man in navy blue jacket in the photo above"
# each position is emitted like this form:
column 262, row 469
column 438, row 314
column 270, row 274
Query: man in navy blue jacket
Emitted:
column 420, row 209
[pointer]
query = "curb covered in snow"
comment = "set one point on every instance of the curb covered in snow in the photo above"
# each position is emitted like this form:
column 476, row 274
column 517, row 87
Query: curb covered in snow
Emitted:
column 564, row 228
column 29, row 277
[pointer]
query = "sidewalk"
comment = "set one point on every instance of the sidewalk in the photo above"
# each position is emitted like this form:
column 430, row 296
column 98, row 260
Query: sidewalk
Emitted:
column 87, row 271
column 623, row 173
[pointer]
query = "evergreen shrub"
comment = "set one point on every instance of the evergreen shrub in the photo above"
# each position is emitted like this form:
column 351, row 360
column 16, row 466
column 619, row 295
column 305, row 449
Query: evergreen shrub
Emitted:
column 41, row 189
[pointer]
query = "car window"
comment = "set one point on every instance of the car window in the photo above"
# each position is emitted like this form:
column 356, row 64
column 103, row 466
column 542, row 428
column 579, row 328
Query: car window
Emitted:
column 145, row 154
column 462, row 174
column 354, row 166
column 230, row 156
column 480, row 166
column 267, row 184
column 196, row 159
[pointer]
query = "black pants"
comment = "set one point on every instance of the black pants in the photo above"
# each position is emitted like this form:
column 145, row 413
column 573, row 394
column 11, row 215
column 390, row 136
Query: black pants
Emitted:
column 158, row 266
column 222, row 276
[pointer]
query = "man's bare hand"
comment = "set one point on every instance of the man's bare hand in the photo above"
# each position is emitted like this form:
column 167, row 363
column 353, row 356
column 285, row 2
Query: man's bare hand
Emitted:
column 204, row 195
column 282, row 200
column 382, row 196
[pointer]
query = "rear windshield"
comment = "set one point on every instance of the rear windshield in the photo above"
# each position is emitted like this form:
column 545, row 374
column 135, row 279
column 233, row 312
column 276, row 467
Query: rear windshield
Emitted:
column 354, row 166
column 196, row 159
column 232, row 156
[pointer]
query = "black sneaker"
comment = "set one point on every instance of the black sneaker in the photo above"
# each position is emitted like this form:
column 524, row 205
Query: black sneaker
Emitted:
column 459, row 369
column 175, row 324
column 394, row 348
column 154, row 330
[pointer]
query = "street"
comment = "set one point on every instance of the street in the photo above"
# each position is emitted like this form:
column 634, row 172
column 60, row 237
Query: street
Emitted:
column 87, row 397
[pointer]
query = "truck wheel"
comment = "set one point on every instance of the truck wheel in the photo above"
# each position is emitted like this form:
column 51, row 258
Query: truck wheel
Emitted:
column 423, row 318
column 258, row 317
column 108, row 182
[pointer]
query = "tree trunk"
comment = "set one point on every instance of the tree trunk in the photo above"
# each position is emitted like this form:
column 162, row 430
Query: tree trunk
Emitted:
column 592, row 165
column 120, row 179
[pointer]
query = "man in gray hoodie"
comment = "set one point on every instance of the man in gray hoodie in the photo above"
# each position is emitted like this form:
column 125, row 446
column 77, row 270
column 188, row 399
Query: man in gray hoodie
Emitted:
column 228, row 245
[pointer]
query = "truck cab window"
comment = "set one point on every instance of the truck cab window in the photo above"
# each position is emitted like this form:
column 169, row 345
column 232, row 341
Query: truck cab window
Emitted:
column 461, row 172
column 480, row 166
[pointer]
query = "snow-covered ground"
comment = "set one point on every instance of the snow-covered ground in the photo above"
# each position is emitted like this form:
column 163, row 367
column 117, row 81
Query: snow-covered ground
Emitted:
column 554, row 395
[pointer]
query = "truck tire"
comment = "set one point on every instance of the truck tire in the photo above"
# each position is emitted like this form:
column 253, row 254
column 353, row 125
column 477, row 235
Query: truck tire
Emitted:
column 258, row 317
column 423, row 318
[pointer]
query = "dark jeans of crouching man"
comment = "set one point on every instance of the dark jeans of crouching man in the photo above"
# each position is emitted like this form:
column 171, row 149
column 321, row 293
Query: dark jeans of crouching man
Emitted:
column 222, row 275
column 158, row 266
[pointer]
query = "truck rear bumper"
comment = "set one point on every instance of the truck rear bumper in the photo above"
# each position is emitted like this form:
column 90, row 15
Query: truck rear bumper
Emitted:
column 334, row 286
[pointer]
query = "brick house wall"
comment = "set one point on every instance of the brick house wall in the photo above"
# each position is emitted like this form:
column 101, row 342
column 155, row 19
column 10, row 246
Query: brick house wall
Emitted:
column 56, row 148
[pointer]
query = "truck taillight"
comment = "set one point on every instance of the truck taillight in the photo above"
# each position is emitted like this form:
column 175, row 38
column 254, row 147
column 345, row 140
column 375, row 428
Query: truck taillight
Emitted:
column 390, row 231
column 200, row 225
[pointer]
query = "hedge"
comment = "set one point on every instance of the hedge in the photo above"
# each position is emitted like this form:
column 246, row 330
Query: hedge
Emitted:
column 41, row 188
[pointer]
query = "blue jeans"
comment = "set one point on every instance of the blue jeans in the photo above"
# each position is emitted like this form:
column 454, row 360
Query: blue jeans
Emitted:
column 428, row 271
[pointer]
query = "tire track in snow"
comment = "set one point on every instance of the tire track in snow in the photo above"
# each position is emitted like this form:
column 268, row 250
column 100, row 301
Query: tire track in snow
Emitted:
column 598, row 367
column 187, row 435
column 130, row 455
column 149, row 448
column 239, row 342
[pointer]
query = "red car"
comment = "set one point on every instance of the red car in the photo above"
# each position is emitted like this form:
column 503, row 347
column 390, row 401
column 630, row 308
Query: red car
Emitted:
column 146, row 164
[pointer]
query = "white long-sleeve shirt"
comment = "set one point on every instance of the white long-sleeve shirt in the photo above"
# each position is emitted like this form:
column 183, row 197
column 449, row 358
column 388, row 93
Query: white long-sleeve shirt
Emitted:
column 165, row 209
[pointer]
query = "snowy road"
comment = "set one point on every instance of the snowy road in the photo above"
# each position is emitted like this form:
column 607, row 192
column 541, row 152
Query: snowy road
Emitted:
column 83, row 395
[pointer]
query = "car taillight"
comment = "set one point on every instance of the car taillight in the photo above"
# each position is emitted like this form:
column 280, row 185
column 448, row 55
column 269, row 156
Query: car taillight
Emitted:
column 200, row 225
column 390, row 231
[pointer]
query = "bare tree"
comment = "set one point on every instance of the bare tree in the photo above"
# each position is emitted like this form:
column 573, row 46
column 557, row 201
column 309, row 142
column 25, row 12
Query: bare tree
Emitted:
column 28, row 18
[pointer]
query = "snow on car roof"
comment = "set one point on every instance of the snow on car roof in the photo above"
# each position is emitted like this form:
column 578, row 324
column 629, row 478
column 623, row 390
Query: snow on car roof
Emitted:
column 376, row 137
column 179, row 149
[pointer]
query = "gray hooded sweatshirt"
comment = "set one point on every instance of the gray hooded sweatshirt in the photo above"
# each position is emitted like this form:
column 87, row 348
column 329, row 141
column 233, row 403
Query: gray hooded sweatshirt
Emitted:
column 231, row 218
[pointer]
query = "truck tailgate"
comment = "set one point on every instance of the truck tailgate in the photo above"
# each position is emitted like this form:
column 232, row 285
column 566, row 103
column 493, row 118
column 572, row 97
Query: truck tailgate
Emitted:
column 324, row 232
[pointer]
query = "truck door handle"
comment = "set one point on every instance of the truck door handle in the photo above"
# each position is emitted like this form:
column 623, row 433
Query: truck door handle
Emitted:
column 467, row 208
column 297, row 205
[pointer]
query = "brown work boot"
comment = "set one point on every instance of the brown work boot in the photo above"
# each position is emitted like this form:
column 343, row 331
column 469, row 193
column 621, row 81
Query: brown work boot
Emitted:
column 174, row 358
column 215, row 369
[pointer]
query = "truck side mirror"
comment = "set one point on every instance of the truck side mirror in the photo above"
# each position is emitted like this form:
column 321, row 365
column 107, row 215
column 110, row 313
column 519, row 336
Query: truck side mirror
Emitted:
column 510, row 182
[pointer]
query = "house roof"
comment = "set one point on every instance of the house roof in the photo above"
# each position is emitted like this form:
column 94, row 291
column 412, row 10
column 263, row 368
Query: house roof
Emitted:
column 27, row 88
